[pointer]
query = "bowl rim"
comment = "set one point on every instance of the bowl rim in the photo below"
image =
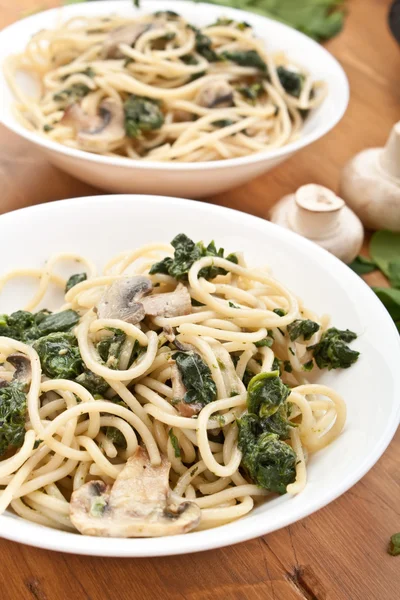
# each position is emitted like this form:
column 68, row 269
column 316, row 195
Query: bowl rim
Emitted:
column 20, row 530
column 287, row 150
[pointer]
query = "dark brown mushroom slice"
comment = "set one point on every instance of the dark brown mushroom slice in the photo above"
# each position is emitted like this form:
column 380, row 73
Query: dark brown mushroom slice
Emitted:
column 139, row 504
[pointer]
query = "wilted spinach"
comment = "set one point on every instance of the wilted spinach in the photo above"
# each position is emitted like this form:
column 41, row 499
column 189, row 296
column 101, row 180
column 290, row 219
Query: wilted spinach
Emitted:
column 12, row 416
column 269, row 462
column 74, row 280
column 26, row 326
column 266, row 393
column 245, row 58
column 92, row 382
column 291, row 81
column 196, row 377
column 332, row 351
column 186, row 253
column 302, row 328
column 142, row 115
column 71, row 94
column 59, row 355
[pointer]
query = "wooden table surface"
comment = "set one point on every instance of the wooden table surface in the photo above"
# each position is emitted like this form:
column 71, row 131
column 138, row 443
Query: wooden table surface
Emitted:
column 339, row 553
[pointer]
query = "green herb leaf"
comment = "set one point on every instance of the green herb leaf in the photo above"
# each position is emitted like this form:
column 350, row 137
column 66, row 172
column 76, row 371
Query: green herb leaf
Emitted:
column 116, row 437
column 267, row 341
column 141, row 115
column 245, row 58
column 175, row 444
column 59, row 355
column 196, row 377
column 391, row 300
column 279, row 311
column 363, row 265
column 291, row 81
column 93, row 383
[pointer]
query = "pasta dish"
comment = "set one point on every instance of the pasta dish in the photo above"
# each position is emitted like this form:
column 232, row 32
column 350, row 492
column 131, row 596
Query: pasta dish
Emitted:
column 168, row 394
column 157, row 88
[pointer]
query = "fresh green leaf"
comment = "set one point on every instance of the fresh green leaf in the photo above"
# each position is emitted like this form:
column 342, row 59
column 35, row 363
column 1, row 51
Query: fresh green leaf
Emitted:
column 74, row 280
column 394, row 545
column 391, row 300
column 363, row 265
column 265, row 393
column 303, row 329
column 196, row 377
column 385, row 249
column 394, row 273
column 12, row 416
column 332, row 351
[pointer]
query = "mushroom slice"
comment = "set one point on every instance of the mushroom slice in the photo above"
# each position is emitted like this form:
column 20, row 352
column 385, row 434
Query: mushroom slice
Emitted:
column 215, row 94
column 139, row 504
column 97, row 133
column 122, row 299
column 127, row 34
column 23, row 368
column 173, row 304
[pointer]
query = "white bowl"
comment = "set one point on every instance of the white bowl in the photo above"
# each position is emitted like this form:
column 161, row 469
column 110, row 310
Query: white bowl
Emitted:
column 180, row 179
column 99, row 227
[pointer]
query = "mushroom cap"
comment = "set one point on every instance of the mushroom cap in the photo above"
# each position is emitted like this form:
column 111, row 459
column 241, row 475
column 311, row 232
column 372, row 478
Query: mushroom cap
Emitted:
column 23, row 367
column 122, row 299
column 172, row 304
column 216, row 93
column 126, row 34
column 139, row 504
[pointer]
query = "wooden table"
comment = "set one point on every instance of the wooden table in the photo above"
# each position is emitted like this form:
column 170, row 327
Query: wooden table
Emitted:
column 338, row 553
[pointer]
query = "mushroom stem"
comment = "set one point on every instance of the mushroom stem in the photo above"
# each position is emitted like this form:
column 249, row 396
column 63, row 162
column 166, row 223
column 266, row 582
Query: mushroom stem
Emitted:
column 317, row 213
column 390, row 157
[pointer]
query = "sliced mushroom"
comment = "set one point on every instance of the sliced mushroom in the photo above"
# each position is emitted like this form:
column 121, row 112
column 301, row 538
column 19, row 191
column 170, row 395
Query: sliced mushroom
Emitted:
column 139, row 504
column 169, row 333
column 179, row 391
column 23, row 368
column 122, row 299
column 97, row 133
column 173, row 304
column 217, row 93
column 127, row 34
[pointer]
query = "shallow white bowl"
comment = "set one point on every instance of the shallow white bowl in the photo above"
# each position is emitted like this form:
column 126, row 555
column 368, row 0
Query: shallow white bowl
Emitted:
column 99, row 227
column 180, row 179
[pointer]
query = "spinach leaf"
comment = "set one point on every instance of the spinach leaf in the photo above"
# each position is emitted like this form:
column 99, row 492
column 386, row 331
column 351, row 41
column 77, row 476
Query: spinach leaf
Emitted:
column 142, row 115
column 287, row 366
column 55, row 322
column 291, row 81
column 267, row 341
column 302, row 328
column 115, row 436
column 26, row 327
column 278, row 423
column 385, row 249
column 394, row 273
column 12, row 416
column 269, row 462
column 252, row 91
column 59, row 355
column 75, row 92
column 332, row 351
column 363, row 265
column 110, row 348
column 279, row 311
column 203, row 45
column 196, row 377
column 394, row 545
column 175, row 444
column 186, row 253
column 93, row 383
column 245, row 58
column 265, row 393
column 74, row 280
column 391, row 300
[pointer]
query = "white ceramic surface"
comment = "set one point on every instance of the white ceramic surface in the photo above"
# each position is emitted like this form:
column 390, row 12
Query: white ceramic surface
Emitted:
column 99, row 227
column 180, row 179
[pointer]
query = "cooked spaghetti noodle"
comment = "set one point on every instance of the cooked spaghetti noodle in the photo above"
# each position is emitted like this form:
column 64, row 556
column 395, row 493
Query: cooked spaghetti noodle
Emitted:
column 132, row 385
column 156, row 88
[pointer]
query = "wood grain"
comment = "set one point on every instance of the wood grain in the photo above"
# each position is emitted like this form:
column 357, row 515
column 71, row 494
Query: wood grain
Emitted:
column 339, row 553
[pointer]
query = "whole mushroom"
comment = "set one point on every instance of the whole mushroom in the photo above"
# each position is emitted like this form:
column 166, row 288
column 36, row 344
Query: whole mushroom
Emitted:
column 316, row 213
column 370, row 184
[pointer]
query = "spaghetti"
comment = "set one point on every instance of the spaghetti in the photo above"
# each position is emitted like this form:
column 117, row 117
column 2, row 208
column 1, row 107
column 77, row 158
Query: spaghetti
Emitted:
column 185, row 378
column 156, row 88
